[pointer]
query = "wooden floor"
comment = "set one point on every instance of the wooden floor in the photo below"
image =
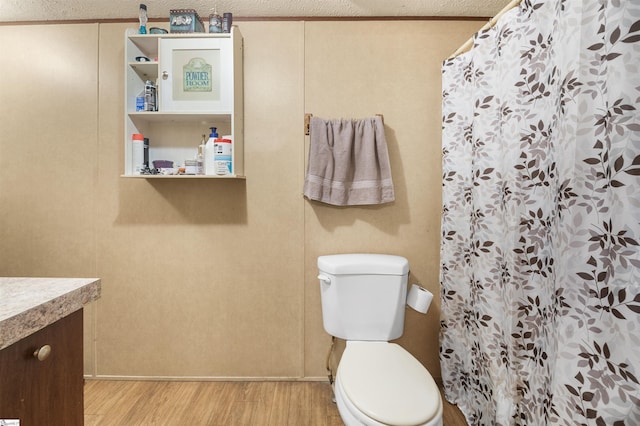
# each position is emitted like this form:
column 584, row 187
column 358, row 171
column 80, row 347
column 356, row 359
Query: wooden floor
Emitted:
column 133, row 403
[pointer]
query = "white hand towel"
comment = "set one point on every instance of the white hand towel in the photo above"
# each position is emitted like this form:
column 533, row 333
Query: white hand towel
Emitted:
column 348, row 163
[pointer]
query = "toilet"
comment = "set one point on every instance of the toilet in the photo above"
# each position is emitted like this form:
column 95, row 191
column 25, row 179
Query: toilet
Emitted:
column 377, row 382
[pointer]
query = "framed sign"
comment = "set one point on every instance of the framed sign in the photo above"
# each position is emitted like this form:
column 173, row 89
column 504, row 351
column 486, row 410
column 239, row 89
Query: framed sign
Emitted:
column 196, row 75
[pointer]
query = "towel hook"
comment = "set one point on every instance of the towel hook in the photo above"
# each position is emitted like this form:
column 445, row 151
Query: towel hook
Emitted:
column 307, row 123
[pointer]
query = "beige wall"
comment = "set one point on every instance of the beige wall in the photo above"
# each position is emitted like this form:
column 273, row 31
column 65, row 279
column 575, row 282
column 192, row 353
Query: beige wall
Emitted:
column 207, row 278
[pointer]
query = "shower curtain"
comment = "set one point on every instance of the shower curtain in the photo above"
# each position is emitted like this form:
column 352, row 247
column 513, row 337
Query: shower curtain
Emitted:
column 540, row 246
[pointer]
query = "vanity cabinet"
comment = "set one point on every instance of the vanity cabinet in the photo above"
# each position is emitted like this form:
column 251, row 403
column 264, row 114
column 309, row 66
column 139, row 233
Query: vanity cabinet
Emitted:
column 49, row 390
column 199, row 85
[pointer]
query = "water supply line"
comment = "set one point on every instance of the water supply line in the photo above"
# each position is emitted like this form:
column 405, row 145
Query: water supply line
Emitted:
column 329, row 369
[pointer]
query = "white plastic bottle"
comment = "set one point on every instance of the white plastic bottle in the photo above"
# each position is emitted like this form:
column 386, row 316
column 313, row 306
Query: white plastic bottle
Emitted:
column 209, row 153
column 137, row 153
column 223, row 156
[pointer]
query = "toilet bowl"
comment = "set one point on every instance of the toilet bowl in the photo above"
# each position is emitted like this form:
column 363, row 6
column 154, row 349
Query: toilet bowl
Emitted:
column 381, row 384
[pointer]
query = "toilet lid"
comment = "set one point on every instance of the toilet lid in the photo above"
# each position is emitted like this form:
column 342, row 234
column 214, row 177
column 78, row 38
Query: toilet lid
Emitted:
column 388, row 384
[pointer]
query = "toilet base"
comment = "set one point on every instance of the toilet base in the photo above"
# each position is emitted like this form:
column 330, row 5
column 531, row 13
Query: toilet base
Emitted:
column 351, row 416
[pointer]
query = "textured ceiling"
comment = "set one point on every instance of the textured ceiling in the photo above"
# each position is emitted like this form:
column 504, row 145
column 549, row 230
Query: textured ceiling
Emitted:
column 43, row 10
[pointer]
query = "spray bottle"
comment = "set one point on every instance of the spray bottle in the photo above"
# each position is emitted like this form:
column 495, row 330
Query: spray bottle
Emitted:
column 209, row 153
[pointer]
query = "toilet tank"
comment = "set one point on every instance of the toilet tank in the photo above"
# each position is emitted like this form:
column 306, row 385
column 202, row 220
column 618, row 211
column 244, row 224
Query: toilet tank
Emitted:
column 363, row 295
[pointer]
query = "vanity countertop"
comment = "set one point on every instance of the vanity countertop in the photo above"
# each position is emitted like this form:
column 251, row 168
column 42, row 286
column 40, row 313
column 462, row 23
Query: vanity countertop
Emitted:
column 28, row 305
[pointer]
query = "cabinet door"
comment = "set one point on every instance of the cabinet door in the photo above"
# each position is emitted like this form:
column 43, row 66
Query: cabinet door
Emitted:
column 47, row 392
column 196, row 75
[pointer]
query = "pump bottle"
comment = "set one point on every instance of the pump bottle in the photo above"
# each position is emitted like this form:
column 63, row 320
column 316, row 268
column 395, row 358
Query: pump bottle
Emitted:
column 209, row 153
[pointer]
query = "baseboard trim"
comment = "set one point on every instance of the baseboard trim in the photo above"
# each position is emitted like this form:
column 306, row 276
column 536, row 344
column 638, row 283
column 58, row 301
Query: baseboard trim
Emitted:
column 205, row 378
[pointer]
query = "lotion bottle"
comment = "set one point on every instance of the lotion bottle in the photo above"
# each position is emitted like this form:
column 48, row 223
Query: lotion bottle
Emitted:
column 209, row 153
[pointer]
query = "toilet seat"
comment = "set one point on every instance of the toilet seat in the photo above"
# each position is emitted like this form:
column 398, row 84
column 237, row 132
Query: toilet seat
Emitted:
column 388, row 385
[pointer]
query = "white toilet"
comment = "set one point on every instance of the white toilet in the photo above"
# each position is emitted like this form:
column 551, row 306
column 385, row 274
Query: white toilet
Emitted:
column 377, row 383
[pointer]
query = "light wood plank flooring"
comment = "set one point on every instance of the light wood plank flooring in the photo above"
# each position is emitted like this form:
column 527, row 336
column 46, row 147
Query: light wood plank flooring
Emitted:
column 135, row 403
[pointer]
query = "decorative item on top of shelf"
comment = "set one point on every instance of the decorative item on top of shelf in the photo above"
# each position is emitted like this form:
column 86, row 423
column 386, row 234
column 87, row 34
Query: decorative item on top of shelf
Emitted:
column 227, row 21
column 215, row 22
column 185, row 21
column 142, row 17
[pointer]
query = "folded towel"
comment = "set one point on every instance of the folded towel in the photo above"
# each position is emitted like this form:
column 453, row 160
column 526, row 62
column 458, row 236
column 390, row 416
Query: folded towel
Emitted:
column 348, row 163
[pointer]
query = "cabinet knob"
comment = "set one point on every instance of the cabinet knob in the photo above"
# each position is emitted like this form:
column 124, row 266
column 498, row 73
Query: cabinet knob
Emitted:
column 165, row 75
column 42, row 353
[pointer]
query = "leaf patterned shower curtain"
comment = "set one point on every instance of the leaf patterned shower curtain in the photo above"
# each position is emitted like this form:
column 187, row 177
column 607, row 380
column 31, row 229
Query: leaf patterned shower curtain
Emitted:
column 540, row 248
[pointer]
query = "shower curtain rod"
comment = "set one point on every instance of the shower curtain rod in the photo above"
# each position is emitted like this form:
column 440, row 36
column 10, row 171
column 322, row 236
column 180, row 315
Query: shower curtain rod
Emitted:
column 493, row 21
